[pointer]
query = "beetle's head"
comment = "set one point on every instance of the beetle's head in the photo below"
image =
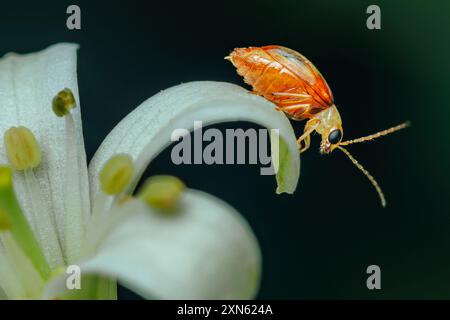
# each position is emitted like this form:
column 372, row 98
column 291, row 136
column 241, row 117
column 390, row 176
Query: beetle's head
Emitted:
column 331, row 140
column 330, row 128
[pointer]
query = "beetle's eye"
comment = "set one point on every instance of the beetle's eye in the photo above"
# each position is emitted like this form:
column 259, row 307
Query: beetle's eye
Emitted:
column 335, row 136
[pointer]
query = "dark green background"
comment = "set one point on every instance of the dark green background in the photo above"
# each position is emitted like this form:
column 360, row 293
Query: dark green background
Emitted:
column 318, row 242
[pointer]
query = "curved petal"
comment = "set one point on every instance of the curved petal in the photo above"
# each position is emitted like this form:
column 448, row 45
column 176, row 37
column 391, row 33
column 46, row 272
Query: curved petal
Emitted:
column 28, row 84
column 203, row 251
column 147, row 130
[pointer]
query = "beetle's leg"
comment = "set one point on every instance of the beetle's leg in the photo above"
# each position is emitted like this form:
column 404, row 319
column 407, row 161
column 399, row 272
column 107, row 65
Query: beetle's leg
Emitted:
column 307, row 142
column 310, row 126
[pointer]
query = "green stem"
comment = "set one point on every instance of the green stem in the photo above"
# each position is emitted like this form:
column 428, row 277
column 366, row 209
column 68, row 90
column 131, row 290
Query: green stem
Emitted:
column 106, row 289
column 19, row 226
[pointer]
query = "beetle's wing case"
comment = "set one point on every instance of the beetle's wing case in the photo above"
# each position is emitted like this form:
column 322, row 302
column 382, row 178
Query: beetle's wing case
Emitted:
column 284, row 77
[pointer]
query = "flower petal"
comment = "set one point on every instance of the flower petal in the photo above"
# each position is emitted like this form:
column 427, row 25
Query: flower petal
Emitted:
column 147, row 130
column 28, row 84
column 205, row 250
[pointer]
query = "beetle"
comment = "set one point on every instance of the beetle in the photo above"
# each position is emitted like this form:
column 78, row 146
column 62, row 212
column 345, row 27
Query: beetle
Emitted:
column 289, row 80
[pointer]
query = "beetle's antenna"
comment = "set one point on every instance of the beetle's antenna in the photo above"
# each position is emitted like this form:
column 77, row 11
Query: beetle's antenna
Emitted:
column 376, row 135
column 367, row 174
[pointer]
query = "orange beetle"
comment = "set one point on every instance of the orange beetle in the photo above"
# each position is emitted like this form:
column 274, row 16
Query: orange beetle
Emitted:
column 296, row 87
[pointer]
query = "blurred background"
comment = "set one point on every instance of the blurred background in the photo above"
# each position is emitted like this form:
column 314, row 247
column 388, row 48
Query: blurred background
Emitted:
column 318, row 242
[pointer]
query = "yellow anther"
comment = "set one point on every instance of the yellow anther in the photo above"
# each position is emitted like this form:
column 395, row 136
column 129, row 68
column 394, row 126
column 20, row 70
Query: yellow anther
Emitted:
column 22, row 149
column 63, row 102
column 162, row 192
column 116, row 174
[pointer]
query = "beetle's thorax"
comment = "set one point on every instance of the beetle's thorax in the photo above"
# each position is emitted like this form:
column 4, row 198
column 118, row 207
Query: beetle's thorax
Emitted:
column 330, row 120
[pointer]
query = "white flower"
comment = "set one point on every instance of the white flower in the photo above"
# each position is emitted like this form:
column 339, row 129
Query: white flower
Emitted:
column 54, row 211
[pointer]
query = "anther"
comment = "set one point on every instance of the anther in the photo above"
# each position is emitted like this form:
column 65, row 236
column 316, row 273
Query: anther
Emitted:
column 63, row 102
column 22, row 149
column 116, row 174
column 162, row 192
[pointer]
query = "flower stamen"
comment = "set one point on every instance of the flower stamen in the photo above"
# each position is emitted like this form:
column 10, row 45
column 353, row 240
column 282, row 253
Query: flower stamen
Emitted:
column 162, row 192
column 74, row 197
column 24, row 154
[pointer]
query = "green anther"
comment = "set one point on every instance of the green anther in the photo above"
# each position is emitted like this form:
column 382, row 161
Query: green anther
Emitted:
column 162, row 192
column 63, row 102
column 18, row 224
column 116, row 174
